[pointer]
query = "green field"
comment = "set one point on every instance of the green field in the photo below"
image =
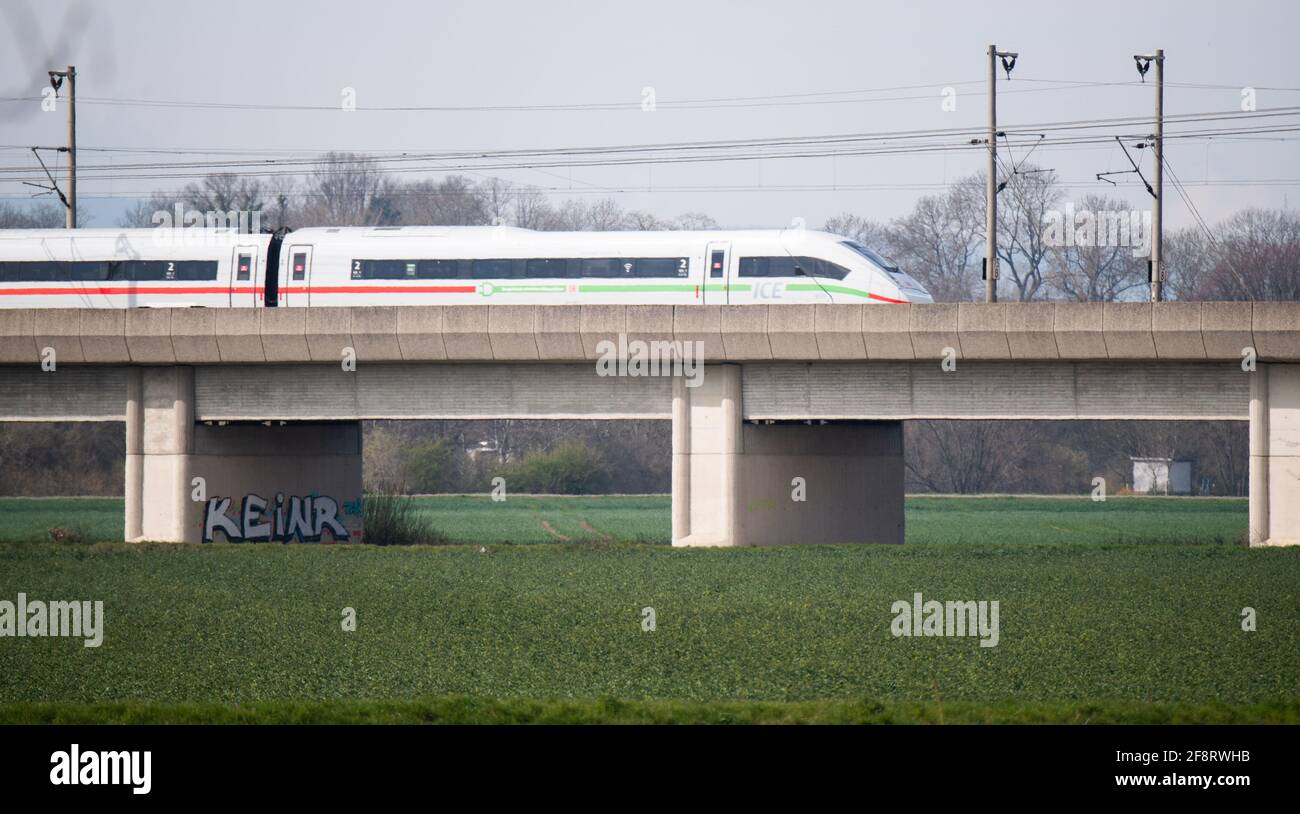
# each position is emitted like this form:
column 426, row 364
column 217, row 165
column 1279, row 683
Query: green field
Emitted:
column 1122, row 611
column 646, row 519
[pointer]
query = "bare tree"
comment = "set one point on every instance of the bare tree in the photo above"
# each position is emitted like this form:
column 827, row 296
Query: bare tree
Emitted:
column 41, row 216
column 497, row 196
column 452, row 201
column 576, row 215
column 938, row 244
column 870, row 233
column 224, row 192
column 605, row 215
column 1186, row 257
column 532, row 211
column 282, row 213
column 1229, row 457
column 963, row 457
column 1256, row 256
column 1024, row 203
column 693, row 222
column 645, row 222
column 1099, row 266
column 348, row 189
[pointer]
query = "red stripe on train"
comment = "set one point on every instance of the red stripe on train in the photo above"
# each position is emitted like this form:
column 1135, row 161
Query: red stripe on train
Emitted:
column 333, row 289
column 120, row 290
column 124, row 290
column 391, row 289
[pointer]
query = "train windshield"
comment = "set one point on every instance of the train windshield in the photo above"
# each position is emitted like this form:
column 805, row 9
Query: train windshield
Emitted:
column 886, row 264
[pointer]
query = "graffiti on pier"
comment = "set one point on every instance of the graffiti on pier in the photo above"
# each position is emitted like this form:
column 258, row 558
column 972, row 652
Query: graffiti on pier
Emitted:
column 293, row 519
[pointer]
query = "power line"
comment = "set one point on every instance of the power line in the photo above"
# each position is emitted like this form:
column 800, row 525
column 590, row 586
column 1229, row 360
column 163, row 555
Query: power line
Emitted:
column 723, row 188
column 791, row 141
column 273, row 169
column 713, row 103
column 705, row 103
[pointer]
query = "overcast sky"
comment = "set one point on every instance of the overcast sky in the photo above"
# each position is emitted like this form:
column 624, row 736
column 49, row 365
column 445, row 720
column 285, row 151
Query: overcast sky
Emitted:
column 507, row 53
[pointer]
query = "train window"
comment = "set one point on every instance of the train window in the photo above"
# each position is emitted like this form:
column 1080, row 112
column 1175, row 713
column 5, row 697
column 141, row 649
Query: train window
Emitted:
column 716, row 265
column 785, row 267
column 54, row 271
column 601, row 267
column 543, row 268
column 379, row 269
column 245, row 270
column 48, row 271
column 769, row 266
column 493, row 269
column 550, row 267
column 389, row 269
column 154, row 270
column 834, row 271
column 662, row 267
column 884, row 262
column 436, row 269
column 300, row 265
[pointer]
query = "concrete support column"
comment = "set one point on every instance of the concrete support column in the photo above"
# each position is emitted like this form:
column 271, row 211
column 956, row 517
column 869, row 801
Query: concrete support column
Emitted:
column 1275, row 455
column 255, row 483
column 134, row 454
column 706, row 458
column 165, row 429
column 681, row 463
column 1259, row 456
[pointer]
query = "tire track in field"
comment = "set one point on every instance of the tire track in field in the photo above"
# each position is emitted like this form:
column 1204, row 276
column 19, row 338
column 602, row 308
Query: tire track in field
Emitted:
column 549, row 529
column 605, row 537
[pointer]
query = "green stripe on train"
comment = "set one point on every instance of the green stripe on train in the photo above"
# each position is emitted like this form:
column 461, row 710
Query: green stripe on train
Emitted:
column 603, row 288
column 829, row 289
column 660, row 288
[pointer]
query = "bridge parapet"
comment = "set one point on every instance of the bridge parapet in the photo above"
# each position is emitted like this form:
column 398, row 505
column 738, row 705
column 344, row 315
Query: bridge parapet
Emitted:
column 1182, row 331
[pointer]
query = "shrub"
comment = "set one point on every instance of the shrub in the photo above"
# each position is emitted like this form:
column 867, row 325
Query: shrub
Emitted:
column 429, row 466
column 391, row 519
column 70, row 534
column 570, row 468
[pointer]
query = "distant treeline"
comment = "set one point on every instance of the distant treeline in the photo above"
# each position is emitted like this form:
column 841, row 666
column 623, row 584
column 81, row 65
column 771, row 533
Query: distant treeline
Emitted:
column 634, row 457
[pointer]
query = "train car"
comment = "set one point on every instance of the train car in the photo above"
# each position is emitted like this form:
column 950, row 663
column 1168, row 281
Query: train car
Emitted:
column 467, row 265
column 131, row 268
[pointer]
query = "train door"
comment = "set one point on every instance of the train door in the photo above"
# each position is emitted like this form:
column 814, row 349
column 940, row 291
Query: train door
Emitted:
column 244, row 280
column 294, row 287
column 717, row 273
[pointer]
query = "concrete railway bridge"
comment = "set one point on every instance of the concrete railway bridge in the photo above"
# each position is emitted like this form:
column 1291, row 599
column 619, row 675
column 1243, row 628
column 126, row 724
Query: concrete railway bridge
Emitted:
column 244, row 423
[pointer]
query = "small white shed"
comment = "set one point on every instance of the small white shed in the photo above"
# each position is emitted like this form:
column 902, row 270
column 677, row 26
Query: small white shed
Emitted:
column 1161, row 476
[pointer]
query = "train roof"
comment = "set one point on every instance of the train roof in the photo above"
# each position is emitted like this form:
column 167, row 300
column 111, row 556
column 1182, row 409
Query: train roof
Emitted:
column 473, row 231
column 314, row 232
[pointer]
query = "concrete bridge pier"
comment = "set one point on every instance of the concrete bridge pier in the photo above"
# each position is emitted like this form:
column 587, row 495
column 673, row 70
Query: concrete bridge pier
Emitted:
column 245, row 482
column 1275, row 455
column 769, row 483
column 159, row 446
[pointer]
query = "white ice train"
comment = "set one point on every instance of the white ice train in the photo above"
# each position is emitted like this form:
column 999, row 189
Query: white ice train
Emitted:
column 425, row 265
